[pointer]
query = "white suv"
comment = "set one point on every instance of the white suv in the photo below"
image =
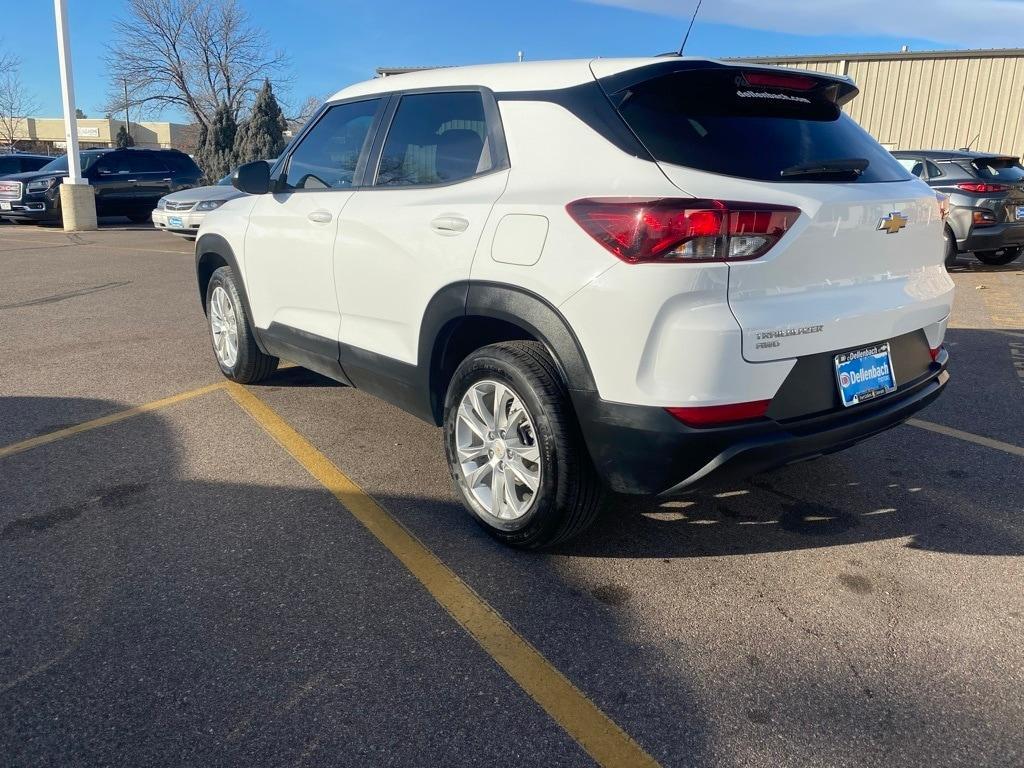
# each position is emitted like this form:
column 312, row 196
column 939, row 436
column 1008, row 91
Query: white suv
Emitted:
column 635, row 274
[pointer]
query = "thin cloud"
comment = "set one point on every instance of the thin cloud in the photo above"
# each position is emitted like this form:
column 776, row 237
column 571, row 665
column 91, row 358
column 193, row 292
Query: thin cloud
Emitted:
column 973, row 24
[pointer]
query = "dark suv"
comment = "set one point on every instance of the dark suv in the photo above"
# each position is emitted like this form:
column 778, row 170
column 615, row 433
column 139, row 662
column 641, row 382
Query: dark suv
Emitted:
column 20, row 162
column 127, row 182
column 986, row 200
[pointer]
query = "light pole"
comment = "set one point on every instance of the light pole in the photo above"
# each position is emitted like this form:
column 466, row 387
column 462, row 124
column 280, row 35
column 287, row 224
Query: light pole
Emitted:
column 77, row 200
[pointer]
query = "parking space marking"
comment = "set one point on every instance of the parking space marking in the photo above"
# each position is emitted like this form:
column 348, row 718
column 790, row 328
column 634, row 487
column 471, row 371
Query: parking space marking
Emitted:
column 598, row 734
column 105, row 247
column 988, row 442
column 102, row 421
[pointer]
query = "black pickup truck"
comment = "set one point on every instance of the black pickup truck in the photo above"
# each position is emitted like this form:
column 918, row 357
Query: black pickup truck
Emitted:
column 127, row 182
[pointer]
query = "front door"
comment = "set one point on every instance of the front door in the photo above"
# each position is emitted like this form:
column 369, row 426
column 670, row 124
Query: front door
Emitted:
column 289, row 244
column 112, row 180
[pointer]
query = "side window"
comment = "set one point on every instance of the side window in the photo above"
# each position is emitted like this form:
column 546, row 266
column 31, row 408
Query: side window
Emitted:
column 436, row 138
column 916, row 167
column 114, row 163
column 933, row 169
column 140, row 163
column 329, row 154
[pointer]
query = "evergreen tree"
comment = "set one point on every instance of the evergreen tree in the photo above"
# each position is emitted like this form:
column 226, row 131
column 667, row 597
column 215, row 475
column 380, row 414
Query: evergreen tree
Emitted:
column 261, row 137
column 124, row 139
column 216, row 152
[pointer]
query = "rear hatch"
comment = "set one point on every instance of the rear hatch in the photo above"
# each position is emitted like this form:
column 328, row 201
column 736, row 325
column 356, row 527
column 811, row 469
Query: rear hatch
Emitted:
column 862, row 263
column 1005, row 177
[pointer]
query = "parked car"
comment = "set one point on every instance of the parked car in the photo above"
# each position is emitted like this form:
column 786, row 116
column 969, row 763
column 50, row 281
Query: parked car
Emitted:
column 986, row 200
column 21, row 162
column 127, row 182
column 181, row 213
column 590, row 278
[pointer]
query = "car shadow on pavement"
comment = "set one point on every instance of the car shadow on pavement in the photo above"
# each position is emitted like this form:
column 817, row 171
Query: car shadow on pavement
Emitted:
column 181, row 578
column 175, row 590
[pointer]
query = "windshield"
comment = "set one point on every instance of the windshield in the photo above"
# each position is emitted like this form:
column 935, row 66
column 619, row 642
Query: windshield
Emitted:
column 61, row 163
column 225, row 182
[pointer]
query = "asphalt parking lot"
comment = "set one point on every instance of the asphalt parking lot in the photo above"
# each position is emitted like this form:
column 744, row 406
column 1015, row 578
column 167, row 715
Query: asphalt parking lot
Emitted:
column 200, row 581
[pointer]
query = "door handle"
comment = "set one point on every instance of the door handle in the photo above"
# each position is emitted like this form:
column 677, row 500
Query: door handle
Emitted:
column 320, row 217
column 449, row 225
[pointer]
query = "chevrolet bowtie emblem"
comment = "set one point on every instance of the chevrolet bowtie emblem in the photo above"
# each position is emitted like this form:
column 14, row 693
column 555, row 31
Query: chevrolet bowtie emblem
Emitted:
column 892, row 223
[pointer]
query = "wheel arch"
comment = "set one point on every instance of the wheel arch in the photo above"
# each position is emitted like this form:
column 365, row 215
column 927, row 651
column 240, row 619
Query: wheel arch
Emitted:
column 465, row 316
column 212, row 253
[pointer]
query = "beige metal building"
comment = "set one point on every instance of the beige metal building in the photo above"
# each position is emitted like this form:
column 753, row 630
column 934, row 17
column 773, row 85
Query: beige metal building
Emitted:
column 48, row 133
column 932, row 99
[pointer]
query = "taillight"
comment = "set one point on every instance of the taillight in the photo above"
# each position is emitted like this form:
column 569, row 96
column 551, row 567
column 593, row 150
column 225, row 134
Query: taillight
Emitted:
column 979, row 187
column 984, row 218
column 943, row 201
column 715, row 415
column 680, row 230
column 935, row 352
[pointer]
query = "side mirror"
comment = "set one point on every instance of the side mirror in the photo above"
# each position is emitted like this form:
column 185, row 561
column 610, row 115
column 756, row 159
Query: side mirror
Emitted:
column 252, row 178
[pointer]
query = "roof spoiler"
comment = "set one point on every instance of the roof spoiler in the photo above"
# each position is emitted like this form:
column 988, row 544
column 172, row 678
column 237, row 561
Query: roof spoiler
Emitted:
column 835, row 88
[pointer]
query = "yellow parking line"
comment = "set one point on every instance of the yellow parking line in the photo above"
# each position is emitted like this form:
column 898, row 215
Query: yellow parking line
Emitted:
column 608, row 744
column 102, row 421
column 71, row 244
column 988, row 442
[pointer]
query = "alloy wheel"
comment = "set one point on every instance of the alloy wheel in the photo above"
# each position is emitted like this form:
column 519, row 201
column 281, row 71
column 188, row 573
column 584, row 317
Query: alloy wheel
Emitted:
column 497, row 451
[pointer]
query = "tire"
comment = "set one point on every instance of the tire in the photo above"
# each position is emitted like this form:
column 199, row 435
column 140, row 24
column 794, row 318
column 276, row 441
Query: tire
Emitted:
column 225, row 310
column 1000, row 257
column 568, row 493
column 951, row 251
column 139, row 218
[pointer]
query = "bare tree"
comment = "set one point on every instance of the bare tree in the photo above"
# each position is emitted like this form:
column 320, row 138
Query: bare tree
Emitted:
column 16, row 102
column 299, row 117
column 191, row 55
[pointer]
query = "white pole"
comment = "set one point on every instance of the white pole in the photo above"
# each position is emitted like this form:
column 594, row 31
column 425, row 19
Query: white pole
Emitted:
column 67, row 87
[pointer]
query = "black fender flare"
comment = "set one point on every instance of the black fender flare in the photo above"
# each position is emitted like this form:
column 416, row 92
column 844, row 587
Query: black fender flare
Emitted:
column 508, row 303
column 208, row 248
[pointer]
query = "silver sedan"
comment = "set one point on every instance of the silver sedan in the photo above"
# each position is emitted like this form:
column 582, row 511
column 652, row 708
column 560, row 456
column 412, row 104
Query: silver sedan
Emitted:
column 181, row 213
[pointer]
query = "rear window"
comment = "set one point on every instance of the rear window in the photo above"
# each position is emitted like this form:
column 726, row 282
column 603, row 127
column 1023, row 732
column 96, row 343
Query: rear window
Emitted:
column 714, row 120
column 1006, row 171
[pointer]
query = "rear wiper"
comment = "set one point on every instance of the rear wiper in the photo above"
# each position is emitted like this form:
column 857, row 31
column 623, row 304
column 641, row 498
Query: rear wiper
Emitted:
column 850, row 168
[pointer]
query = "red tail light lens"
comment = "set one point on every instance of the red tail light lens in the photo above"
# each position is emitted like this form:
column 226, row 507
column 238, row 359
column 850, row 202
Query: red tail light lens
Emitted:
column 715, row 415
column 780, row 80
column 680, row 230
column 978, row 187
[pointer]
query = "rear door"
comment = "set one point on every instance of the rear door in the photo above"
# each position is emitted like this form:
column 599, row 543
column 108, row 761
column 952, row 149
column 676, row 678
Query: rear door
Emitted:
column 441, row 168
column 863, row 262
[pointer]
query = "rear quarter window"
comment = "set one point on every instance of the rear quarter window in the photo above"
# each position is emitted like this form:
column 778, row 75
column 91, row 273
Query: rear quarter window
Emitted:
column 712, row 120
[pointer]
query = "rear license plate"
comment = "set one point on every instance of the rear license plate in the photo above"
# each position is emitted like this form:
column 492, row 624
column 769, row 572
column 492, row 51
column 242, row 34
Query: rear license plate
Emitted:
column 865, row 374
column 1020, row 212
column 174, row 221
column 4, row 205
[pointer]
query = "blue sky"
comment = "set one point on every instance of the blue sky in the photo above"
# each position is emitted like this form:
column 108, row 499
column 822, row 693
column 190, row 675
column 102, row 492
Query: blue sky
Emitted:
column 334, row 43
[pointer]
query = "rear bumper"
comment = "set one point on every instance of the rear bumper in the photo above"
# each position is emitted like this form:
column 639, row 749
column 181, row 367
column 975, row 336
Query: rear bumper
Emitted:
column 993, row 238
column 644, row 450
